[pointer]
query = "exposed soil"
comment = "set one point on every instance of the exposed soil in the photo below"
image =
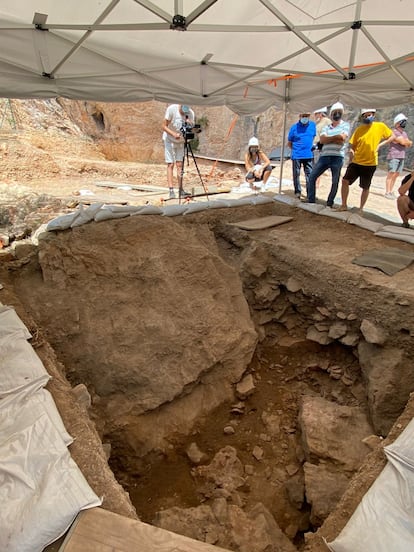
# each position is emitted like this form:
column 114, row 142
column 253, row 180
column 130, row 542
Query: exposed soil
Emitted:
column 282, row 376
column 320, row 251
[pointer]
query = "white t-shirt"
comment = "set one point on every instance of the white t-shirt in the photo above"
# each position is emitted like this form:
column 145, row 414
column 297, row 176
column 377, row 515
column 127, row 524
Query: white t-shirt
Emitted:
column 177, row 120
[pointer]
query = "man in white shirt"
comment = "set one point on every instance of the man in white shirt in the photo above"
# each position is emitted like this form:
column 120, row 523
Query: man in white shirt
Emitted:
column 176, row 117
column 334, row 139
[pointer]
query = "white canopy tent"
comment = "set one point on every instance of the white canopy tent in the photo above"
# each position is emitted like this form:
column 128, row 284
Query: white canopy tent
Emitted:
column 246, row 54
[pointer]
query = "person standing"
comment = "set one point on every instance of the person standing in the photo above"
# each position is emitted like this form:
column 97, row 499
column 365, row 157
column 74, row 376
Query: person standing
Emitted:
column 257, row 163
column 363, row 155
column 321, row 120
column 396, row 154
column 405, row 202
column 333, row 138
column 300, row 140
column 176, row 116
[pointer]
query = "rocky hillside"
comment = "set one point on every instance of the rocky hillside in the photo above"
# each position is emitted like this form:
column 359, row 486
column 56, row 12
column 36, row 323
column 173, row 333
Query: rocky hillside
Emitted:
column 58, row 137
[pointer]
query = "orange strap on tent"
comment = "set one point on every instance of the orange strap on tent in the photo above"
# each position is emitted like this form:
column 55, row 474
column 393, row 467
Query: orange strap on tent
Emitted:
column 230, row 130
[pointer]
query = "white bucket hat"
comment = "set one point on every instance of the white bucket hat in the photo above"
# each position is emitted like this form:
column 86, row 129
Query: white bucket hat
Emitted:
column 253, row 141
column 337, row 107
column 368, row 110
column 321, row 110
column 400, row 117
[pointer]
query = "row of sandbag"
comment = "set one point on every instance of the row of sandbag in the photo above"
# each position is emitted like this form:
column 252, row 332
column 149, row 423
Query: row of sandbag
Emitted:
column 42, row 489
column 378, row 228
column 100, row 211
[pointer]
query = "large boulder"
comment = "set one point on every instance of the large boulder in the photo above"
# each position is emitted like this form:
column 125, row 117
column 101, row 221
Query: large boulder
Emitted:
column 150, row 310
column 325, row 484
column 227, row 526
column 389, row 377
column 333, row 432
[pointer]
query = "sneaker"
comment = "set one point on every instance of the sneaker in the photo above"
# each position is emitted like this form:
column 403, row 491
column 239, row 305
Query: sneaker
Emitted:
column 297, row 195
column 172, row 194
column 183, row 193
column 390, row 195
column 405, row 225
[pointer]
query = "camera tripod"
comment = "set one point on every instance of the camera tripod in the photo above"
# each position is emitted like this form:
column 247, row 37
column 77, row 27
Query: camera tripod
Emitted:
column 188, row 150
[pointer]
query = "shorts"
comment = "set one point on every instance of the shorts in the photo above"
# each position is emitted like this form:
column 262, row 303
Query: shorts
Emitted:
column 174, row 151
column 363, row 172
column 251, row 175
column 395, row 165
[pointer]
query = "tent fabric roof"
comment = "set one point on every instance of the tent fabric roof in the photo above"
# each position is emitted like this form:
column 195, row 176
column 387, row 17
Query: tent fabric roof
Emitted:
column 246, row 54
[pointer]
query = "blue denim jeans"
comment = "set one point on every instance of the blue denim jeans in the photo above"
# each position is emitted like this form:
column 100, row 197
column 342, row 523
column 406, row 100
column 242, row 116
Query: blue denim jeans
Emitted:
column 307, row 167
column 333, row 162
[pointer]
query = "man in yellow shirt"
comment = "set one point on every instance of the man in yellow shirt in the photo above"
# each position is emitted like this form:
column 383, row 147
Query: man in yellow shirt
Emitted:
column 363, row 155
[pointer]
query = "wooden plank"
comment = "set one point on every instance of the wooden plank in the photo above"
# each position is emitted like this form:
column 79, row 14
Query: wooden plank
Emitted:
column 140, row 187
column 261, row 223
column 97, row 530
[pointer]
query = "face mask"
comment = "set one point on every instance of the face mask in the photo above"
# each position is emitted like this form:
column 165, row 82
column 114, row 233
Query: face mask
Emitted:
column 336, row 116
column 304, row 120
column 368, row 120
column 402, row 124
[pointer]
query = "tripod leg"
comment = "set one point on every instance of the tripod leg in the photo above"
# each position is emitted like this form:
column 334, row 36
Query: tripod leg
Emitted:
column 181, row 192
column 190, row 149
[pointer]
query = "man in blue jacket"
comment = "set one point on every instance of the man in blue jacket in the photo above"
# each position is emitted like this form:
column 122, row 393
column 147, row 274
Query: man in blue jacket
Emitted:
column 300, row 140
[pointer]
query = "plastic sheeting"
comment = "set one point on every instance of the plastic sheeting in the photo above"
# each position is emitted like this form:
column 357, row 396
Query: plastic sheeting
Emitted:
column 41, row 488
column 384, row 520
column 311, row 53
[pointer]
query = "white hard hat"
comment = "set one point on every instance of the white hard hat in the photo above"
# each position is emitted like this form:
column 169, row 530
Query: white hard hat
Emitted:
column 253, row 141
column 337, row 107
column 400, row 117
column 368, row 110
column 321, row 110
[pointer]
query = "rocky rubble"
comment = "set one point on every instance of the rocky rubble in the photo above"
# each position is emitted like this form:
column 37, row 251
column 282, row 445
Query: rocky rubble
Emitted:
column 289, row 419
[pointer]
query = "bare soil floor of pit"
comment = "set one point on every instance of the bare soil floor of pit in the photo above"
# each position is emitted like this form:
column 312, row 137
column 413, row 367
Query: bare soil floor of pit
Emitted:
column 281, row 376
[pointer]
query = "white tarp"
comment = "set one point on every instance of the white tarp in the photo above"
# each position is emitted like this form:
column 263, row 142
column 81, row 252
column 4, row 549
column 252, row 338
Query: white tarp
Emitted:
column 246, row 54
column 41, row 487
column 384, row 520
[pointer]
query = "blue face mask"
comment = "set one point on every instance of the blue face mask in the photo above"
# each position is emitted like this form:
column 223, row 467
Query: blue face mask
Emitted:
column 304, row 120
column 368, row 120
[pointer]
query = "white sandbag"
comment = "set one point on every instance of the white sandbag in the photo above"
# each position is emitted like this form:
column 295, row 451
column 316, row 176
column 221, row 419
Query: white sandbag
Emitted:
column 20, row 367
column 362, row 222
column 148, row 210
column 289, row 200
column 129, row 209
column 384, row 519
column 107, row 214
column 42, row 486
column 396, row 233
column 39, row 234
column 247, row 200
column 10, row 323
column 63, row 222
column 174, row 210
column 36, row 402
column 196, row 207
column 86, row 215
column 333, row 213
column 311, row 207
column 217, row 204
column 260, row 199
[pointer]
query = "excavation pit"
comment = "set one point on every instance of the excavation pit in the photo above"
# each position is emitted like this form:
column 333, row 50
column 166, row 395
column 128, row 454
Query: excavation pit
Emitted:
column 163, row 319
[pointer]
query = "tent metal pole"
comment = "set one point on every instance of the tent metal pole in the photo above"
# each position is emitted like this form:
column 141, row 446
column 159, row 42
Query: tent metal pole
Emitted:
column 282, row 152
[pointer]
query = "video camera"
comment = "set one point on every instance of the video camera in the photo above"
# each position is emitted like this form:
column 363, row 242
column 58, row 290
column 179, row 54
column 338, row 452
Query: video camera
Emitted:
column 189, row 130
